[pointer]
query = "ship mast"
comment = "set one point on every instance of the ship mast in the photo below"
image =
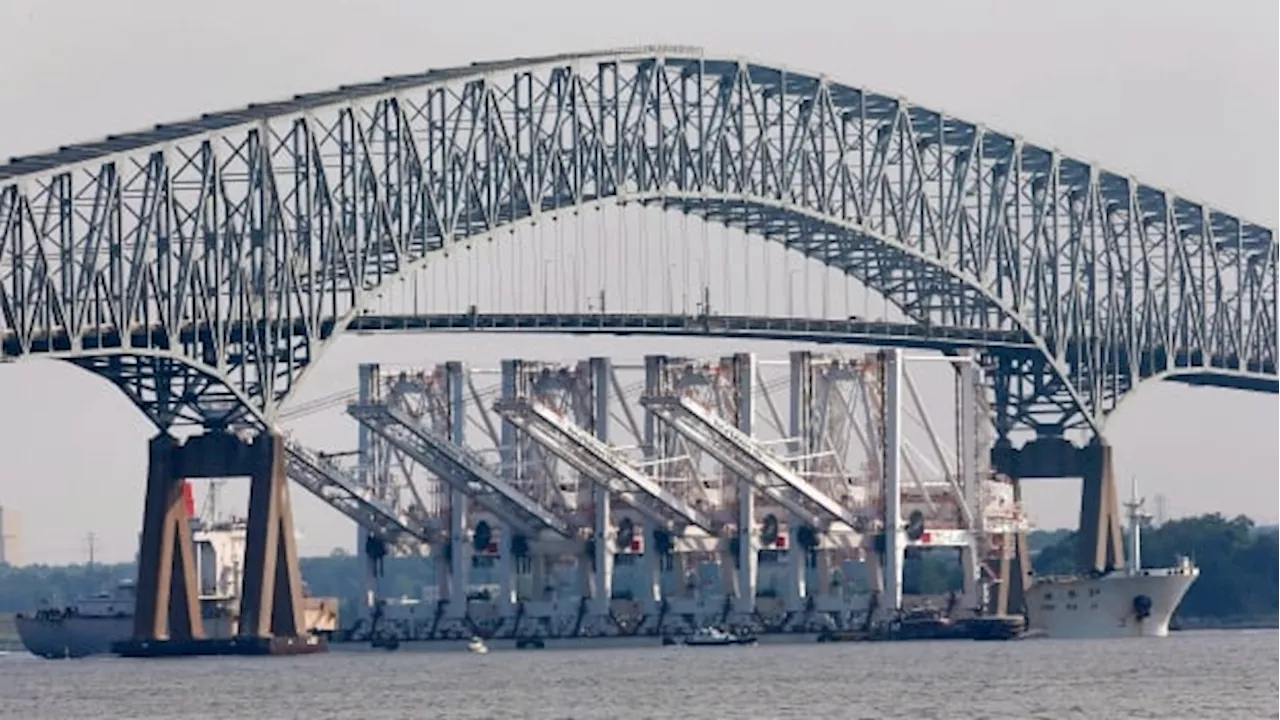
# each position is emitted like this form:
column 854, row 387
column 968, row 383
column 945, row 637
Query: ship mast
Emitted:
column 210, row 514
column 1136, row 518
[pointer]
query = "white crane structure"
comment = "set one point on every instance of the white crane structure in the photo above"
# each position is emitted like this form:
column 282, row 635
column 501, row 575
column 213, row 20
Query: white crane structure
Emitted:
column 602, row 497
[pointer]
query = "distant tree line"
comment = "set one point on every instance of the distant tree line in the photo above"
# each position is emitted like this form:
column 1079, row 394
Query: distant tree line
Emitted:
column 1239, row 565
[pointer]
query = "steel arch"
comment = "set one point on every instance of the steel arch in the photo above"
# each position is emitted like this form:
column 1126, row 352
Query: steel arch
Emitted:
column 266, row 229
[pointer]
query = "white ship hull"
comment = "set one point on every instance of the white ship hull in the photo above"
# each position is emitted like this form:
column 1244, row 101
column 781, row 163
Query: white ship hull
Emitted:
column 1109, row 606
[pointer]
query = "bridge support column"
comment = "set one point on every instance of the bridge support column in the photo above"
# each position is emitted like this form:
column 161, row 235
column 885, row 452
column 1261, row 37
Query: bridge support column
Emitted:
column 271, row 605
column 271, row 599
column 168, row 605
column 1100, row 542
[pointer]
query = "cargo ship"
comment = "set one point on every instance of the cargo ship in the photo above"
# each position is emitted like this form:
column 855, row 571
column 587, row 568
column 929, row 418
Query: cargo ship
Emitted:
column 91, row 625
column 1130, row 602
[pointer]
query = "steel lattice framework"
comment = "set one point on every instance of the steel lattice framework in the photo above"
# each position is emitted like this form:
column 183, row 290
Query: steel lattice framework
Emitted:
column 202, row 265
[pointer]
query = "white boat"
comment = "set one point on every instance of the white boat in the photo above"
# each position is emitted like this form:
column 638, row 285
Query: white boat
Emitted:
column 1132, row 602
column 715, row 637
column 90, row 625
column 477, row 646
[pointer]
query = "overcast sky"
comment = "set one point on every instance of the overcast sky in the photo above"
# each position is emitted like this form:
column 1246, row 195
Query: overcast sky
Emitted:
column 1180, row 94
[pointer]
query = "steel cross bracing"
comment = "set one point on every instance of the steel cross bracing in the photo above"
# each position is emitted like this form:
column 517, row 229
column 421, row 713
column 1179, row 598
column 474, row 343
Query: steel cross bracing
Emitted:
column 459, row 467
column 716, row 436
column 738, row 452
column 604, row 464
column 219, row 254
column 349, row 496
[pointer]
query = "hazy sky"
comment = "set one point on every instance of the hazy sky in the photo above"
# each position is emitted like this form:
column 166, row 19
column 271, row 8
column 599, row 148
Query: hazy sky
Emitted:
column 1180, row 94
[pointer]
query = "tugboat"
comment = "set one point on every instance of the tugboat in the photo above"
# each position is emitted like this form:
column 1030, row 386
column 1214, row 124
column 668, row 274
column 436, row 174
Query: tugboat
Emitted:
column 715, row 637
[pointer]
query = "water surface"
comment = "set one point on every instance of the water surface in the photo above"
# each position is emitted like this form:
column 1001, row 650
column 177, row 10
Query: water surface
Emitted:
column 1209, row 675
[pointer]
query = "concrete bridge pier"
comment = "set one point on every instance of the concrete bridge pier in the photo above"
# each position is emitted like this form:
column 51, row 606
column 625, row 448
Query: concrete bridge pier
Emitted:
column 271, row 597
column 1101, row 545
column 168, row 603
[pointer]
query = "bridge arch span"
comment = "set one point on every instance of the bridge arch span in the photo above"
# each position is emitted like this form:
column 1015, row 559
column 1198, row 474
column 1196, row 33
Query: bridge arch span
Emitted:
column 258, row 234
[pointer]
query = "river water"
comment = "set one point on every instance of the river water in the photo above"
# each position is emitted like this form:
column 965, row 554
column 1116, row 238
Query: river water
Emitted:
column 1205, row 675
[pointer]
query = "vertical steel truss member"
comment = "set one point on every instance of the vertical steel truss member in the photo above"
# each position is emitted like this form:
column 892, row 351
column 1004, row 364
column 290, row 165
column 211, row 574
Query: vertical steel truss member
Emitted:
column 271, row 605
column 744, row 456
column 538, row 472
column 603, row 464
column 460, row 468
column 825, row 394
column 894, row 537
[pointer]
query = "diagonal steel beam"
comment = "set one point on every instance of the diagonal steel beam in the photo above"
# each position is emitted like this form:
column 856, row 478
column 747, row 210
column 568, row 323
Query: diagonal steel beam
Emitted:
column 461, row 468
column 603, row 464
column 738, row 450
column 345, row 494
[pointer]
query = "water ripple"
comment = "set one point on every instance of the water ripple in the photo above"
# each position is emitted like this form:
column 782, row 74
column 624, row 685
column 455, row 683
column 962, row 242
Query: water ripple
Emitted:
column 1193, row 675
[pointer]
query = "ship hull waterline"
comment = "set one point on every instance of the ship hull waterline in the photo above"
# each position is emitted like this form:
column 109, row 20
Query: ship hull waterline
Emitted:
column 1107, row 606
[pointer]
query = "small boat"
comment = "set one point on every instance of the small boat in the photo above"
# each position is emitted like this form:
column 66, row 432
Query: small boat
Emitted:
column 477, row 646
column 715, row 637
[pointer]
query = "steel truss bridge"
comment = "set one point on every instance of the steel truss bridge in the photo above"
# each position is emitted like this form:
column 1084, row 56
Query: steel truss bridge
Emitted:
column 203, row 265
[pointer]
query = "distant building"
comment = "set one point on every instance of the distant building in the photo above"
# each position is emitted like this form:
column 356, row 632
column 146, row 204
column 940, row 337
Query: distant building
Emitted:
column 10, row 538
